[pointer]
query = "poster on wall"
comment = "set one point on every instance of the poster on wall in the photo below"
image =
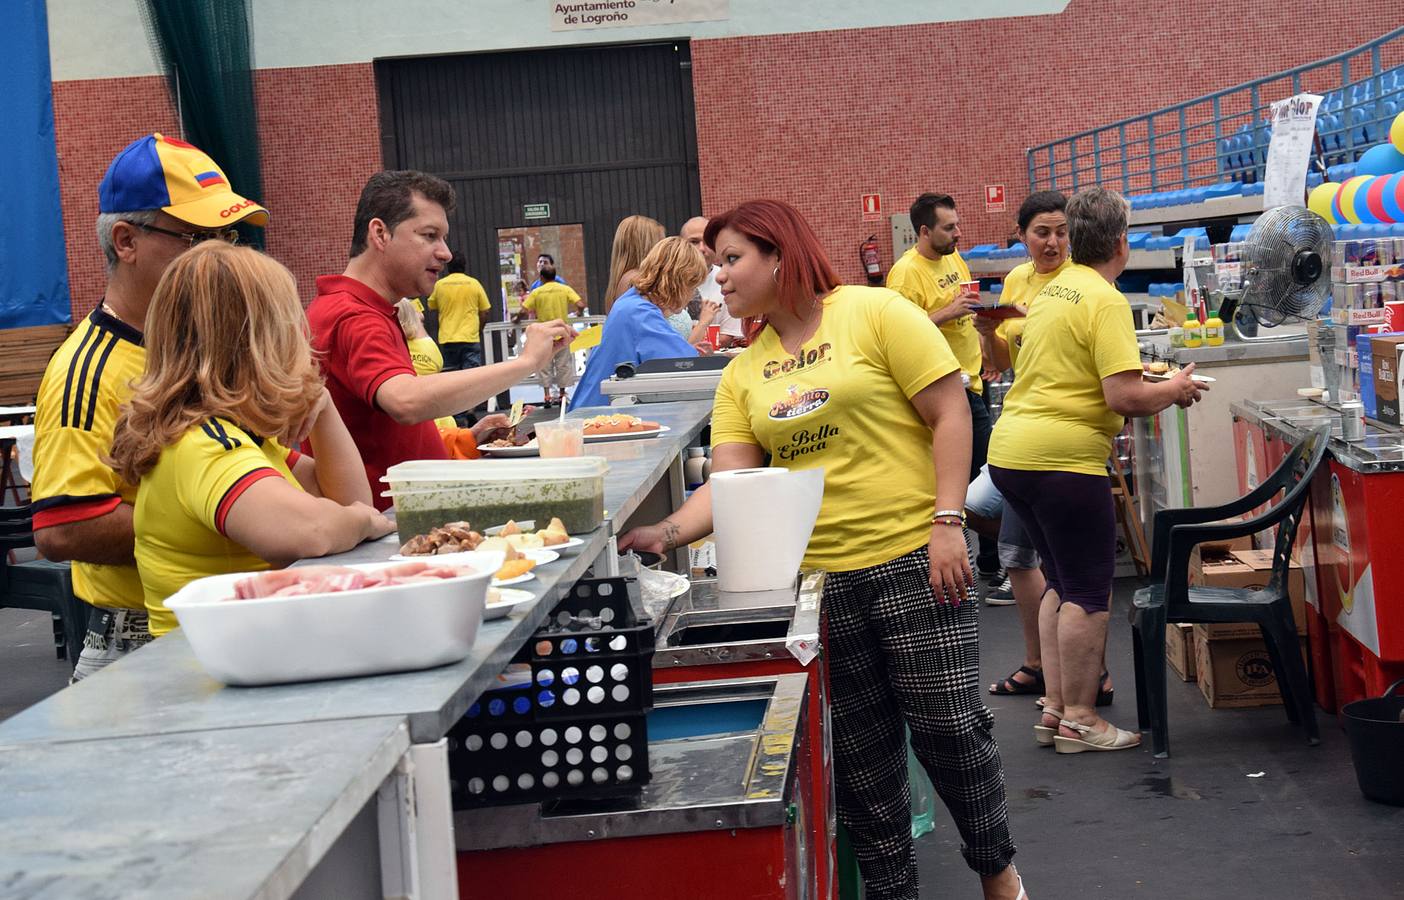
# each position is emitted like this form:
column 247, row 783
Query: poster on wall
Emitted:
column 1293, row 131
column 587, row 14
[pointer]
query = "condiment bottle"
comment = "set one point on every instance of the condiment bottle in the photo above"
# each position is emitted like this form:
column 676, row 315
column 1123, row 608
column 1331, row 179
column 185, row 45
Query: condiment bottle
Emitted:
column 1194, row 332
column 1213, row 330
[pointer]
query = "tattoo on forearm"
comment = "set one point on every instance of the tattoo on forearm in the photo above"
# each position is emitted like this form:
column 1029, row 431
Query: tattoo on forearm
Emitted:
column 670, row 535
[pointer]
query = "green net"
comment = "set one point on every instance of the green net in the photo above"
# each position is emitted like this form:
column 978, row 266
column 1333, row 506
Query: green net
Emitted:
column 205, row 47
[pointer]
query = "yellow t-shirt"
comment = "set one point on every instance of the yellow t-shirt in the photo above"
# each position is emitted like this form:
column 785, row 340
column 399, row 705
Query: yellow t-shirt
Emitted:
column 85, row 382
column 428, row 360
column 182, row 504
column 552, row 301
column 844, row 406
column 933, row 284
column 460, row 300
column 1021, row 286
column 1055, row 417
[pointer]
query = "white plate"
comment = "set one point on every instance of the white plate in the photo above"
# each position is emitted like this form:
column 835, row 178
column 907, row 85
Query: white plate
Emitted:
column 527, row 449
column 626, row 436
column 524, row 525
column 540, row 555
column 1166, row 376
column 503, row 582
column 482, row 560
column 507, row 600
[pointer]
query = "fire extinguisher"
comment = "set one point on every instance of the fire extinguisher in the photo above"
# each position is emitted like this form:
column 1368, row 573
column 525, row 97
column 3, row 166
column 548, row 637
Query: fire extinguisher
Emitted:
column 872, row 263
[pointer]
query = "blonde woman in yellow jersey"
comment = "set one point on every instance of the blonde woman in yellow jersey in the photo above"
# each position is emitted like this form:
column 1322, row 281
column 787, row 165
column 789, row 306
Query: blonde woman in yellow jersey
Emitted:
column 859, row 382
column 230, row 389
column 1080, row 374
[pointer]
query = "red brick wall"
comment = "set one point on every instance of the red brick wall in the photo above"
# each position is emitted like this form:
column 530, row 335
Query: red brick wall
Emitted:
column 819, row 119
column 92, row 121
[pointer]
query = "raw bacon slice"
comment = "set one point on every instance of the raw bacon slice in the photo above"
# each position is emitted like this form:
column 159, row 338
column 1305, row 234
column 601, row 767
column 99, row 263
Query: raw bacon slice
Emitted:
column 335, row 579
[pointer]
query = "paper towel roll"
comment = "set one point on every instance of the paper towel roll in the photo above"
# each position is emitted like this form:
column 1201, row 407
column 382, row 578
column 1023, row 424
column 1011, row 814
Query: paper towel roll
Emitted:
column 762, row 520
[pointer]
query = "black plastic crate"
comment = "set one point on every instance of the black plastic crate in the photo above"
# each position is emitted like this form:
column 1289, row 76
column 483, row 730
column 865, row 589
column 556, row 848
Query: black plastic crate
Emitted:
column 578, row 728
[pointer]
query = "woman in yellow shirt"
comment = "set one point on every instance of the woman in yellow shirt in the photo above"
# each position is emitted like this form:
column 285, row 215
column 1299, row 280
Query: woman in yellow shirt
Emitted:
column 230, row 387
column 859, row 382
column 1043, row 228
column 1079, row 375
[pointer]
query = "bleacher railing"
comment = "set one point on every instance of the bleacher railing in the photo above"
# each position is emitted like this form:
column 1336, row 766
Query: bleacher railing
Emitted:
column 1224, row 135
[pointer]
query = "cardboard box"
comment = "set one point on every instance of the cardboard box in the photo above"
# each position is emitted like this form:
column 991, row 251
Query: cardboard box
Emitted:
column 1218, row 551
column 1250, row 569
column 1179, row 650
column 1236, row 674
column 1385, row 349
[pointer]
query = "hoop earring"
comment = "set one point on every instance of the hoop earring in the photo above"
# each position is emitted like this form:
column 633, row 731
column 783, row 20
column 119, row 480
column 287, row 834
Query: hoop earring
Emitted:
column 775, row 274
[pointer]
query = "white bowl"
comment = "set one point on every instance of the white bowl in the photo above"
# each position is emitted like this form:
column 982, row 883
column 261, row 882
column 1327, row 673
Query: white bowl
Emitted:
column 271, row 640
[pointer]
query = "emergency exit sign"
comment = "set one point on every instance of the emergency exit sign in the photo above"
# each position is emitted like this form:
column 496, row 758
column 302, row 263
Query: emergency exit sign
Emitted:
column 536, row 211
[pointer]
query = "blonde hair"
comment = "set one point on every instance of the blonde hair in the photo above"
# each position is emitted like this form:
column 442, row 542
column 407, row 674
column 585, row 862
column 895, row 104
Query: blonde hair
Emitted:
column 634, row 237
column 411, row 319
column 225, row 336
column 670, row 273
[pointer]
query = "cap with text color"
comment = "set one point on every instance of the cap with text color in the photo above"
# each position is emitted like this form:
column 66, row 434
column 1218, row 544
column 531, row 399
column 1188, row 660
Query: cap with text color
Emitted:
column 157, row 172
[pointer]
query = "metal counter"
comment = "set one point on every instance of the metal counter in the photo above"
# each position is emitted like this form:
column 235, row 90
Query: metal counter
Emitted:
column 1382, row 449
column 157, row 708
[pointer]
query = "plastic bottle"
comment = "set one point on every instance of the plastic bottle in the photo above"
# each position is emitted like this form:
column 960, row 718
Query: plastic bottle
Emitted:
column 1213, row 330
column 1194, row 332
column 692, row 468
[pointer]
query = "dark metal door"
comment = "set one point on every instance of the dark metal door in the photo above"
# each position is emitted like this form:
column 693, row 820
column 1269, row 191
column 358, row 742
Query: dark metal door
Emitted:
column 598, row 133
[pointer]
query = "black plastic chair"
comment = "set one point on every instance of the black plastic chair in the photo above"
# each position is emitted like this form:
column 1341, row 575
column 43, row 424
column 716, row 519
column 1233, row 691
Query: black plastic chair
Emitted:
column 1171, row 599
column 40, row 584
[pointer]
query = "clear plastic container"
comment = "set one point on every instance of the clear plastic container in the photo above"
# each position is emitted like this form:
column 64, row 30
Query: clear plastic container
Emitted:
column 429, row 493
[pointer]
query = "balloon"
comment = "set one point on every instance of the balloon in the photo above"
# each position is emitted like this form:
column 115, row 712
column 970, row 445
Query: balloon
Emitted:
column 1392, row 197
column 1374, row 198
column 1345, row 199
column 1396, row 133
column 1382, row 159
column 1321, row 198
column 1358, row 204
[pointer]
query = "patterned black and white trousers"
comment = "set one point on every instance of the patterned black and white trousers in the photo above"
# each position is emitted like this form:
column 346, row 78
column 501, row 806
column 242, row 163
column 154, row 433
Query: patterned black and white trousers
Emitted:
column 897, row 655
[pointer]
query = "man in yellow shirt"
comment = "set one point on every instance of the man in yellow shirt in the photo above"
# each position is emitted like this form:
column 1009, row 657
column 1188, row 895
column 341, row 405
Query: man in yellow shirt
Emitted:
column 159, row 197
column 463, row 310
column 552, row 302
column 933, row 276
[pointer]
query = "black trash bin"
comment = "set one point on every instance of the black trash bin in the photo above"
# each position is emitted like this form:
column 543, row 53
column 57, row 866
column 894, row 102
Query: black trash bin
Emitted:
column 1375, row 728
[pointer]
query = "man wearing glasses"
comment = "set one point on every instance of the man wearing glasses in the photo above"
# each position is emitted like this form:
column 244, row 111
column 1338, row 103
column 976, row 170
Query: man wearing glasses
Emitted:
column 160, row 196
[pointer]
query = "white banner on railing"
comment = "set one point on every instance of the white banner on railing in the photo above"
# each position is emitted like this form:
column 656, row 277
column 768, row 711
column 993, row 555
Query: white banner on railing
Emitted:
column 584, row 14
column 1293, row 130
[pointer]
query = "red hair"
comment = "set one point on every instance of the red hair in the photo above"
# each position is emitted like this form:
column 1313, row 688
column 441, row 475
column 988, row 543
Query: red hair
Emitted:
column 777, row 227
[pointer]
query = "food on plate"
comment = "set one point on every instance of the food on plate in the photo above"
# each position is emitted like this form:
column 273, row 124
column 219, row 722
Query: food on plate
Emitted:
column 331, row 579
column 514, row 568
column 617, row 423
column 510, row 529
column 512, row 543
column 455, row 537
column 553, row 534
column 1159, row 367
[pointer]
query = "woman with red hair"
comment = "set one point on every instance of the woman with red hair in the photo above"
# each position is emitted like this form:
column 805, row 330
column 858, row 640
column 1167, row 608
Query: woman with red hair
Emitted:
column 860, row 383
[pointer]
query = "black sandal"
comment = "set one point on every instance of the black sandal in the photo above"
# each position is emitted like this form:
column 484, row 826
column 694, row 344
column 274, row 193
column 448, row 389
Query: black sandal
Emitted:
column 1020, row 687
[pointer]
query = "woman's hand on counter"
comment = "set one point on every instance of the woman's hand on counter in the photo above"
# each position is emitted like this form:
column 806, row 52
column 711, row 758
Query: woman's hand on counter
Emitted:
column 951, row 579
column 659, row 538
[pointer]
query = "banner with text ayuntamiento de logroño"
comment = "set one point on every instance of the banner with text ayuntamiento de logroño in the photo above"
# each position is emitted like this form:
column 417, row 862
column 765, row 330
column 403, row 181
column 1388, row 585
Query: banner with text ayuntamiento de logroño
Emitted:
column 33, row 264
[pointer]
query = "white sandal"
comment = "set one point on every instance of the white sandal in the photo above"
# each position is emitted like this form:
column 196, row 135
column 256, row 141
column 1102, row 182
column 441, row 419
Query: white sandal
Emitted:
column 1044, row 734
column 1112, row 739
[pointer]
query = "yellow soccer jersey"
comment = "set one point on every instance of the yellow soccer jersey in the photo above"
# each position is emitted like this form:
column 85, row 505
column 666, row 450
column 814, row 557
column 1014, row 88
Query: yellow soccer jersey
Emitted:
column 843, row 404
column 183, row 502
column 1021, row 286
column 461, row 302
column 84, row 384
column 932, row 285
column 552, row 301
column 1055, row 417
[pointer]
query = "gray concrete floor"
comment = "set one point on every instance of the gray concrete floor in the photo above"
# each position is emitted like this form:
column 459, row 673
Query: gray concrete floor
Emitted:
column 1191, row 827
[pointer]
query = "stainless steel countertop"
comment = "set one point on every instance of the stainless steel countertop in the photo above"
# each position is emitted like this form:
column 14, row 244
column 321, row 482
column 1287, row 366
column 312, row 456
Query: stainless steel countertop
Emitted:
column 1230, row 352
column 215, row 809
column 1382, row 449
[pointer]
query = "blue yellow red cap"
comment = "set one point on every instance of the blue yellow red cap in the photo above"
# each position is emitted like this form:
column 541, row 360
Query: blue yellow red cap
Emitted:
column 157, row 172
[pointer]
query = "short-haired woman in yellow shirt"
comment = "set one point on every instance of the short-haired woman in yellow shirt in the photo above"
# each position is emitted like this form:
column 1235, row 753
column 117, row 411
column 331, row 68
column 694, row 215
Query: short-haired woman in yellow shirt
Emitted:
column 1079, row 375
column 230, row 389
column 859, row 382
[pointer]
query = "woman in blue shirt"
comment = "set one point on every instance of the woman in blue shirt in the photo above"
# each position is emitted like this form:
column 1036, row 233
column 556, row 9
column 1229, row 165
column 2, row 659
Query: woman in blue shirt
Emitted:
column 637, row 327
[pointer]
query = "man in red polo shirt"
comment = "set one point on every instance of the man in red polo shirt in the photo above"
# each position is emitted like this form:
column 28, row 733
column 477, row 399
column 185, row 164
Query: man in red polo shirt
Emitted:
column 398, row 247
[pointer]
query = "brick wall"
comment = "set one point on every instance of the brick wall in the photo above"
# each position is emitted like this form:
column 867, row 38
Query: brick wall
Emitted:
column 819, row 119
